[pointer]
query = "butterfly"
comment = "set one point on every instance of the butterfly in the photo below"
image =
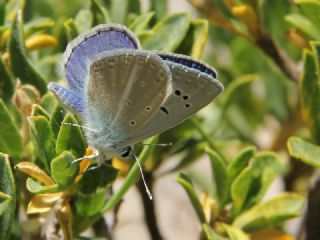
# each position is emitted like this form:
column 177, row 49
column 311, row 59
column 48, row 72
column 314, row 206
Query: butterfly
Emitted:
column 124, row 94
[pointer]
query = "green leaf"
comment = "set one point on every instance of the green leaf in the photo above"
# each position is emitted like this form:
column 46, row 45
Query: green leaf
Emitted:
column 2, row 12
column 310, row 9
column 62, row 171
column 35, row 187
column 271, row 213
column 304, row 25
column 83, row 21
column 240, row 189
column 21, row 65
column 196, row 39
column 6, row 83
column 37, row 110
column 89, row 205
column 234, row 88
column 234, row 233
column 48, row 102
column 42, row 139
column 70, row 138
column 100, row 14
column 56, row 119
column 219, row 172
column 11, row 141
column 159, row 7
column 210, row 233
column 186, row 183
column 5, row 199
column 191, row 156
column 131, row 177
column 119, row 10
column 310, row 92
column 134, row 7
column 168, row 33
column 305, row 151
column 253, row 182
column 240, row 162
column 141, row 22
column 101, row 177
column 7, row 187
column 70, row 29
column 39, row 24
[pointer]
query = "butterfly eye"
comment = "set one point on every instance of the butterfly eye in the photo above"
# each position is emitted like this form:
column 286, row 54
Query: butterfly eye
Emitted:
column 126, row 152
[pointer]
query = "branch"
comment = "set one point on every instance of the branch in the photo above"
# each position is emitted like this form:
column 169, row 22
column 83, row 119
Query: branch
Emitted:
column 259, row 37
column 149, row 208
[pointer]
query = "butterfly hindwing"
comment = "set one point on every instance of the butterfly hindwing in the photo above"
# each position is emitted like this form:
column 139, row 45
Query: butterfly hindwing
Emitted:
column 86, row 47
column 192, row 89
column 126, row 88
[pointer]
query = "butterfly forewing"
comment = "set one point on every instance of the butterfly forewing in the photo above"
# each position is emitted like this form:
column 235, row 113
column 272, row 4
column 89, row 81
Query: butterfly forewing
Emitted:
column 125, row 90
column 86, row 47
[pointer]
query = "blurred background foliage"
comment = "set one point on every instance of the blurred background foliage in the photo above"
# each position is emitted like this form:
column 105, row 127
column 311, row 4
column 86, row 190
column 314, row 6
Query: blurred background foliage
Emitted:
column 265, row 127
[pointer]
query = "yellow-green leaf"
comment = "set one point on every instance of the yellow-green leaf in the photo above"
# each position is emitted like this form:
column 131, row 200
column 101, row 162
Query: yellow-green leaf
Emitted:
column 168, row 33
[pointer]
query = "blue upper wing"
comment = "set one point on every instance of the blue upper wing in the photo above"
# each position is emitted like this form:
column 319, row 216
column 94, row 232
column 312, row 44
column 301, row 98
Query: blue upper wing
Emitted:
column 87, row 47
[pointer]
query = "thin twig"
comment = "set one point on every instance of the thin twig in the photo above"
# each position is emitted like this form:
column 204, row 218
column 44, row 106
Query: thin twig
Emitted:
column 149, row 207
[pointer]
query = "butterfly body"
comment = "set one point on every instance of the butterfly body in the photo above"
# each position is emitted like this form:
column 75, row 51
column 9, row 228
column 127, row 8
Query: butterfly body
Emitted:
column 124, row 94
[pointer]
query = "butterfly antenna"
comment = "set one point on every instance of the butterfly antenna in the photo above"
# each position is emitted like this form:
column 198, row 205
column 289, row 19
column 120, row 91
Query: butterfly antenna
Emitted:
column 77, row 125
column 156, row 144
column 142, row 176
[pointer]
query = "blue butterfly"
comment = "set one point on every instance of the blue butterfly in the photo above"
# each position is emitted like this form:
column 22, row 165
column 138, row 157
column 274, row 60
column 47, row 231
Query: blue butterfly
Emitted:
column 124, row 94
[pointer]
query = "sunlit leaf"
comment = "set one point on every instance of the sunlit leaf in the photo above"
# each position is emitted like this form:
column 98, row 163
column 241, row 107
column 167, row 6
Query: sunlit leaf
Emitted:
column 168, row 33
column 271, row 213
column 305, row 151
column 196, row 39
column 141, row 22
column 36, row 187
column 35, row 172
column 235, row 233
column 310, row 92
column 62, row 170
column 211, row 234
column 41, row 203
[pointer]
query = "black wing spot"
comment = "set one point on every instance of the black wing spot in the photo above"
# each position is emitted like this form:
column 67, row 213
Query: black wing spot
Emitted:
column 141, row 83
column 163, row 109
column 178, row 92
column 187, row 105
column 185, row 97
column 132, row 122
column 148, row 108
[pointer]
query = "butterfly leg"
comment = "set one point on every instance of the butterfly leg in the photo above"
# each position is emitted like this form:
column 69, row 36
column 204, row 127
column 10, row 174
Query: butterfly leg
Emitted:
column 95, row 153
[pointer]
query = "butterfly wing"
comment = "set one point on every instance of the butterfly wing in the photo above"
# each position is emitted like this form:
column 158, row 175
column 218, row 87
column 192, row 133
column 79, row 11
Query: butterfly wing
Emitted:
column 126, row 88
column 82, row 50
column 194, row 86
column 68, row 99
